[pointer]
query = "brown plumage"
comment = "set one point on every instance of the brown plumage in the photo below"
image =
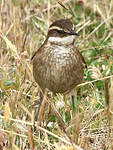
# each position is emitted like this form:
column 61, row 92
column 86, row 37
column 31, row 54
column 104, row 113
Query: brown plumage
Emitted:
column 58, row 65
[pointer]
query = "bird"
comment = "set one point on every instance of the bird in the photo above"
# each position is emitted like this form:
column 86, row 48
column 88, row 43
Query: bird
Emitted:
column 58, row 66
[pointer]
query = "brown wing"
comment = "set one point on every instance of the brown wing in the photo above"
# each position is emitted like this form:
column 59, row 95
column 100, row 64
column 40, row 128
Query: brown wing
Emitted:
column 34, row 55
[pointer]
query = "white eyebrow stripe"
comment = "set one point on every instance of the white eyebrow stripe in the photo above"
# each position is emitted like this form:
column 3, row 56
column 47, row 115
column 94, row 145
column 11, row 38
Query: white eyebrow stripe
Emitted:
column 55, row 27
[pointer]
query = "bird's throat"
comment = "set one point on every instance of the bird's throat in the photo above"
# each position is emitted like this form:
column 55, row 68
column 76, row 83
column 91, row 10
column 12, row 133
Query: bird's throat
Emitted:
column 62, row 40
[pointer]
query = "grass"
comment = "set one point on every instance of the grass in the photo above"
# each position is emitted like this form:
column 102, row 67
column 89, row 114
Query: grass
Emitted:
column 23, row 28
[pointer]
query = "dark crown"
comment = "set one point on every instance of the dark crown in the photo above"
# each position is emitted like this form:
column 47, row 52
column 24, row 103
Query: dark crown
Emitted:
column 62, row 27
column 64, row 24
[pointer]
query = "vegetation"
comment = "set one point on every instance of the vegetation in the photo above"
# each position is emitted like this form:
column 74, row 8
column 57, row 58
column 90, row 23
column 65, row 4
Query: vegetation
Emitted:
column 23, row 28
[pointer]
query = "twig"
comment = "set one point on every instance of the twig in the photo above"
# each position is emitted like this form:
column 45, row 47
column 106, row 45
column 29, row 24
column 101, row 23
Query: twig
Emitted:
column 42, row 108
column 83, row 84
column 65, row 7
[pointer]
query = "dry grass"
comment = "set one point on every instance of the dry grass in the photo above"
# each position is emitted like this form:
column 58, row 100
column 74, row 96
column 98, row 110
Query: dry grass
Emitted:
column 23, row 27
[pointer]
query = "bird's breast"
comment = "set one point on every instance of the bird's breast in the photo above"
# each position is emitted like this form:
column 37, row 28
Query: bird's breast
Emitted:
column 60, row 55
column 58, row 68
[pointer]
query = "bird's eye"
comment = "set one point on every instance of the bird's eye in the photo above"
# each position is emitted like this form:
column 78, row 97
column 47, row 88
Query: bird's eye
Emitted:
column 61, row 31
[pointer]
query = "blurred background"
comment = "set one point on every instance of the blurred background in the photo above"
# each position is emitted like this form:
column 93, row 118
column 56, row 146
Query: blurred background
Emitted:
column 23, row 28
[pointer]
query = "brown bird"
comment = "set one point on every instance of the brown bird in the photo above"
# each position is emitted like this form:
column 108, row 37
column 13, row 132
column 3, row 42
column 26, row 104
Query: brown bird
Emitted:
column 57, row 65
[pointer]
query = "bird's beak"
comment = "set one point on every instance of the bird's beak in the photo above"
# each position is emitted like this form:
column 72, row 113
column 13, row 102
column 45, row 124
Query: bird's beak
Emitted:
column 74, row 33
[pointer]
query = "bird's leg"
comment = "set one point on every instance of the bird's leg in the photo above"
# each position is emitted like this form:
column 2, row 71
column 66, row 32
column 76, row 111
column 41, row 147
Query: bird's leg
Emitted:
column 37, row 111
column 73, row 102
column 74, row 98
